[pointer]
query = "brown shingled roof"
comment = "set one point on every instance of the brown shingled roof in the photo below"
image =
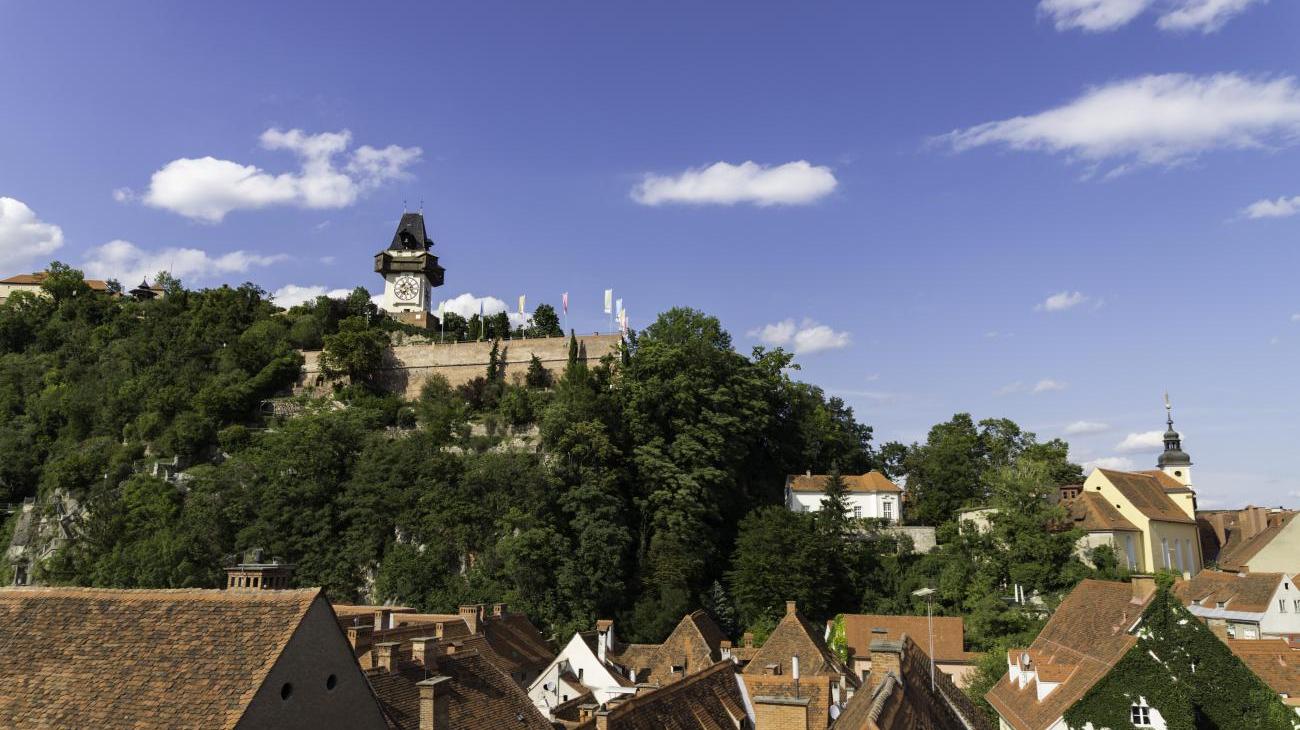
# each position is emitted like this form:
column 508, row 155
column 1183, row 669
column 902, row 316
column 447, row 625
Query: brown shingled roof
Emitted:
column 949, row 634
column 872, row 481
column 707, row 700
column 793, row 635
column 480, row 696
column 903, row 700
column 1089, row 630
column 1091, row 512
column 1147, row 495
column 693, row 645
column 1250, row 593
column 90, row 657
column 1273, row 660
column 1167, row 482
column 36, row 278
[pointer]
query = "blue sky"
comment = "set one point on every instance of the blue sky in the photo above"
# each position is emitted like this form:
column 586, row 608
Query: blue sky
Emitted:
column 1047, row 211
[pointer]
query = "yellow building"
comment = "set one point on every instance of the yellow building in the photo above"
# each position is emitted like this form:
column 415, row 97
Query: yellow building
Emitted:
column 1157, row 509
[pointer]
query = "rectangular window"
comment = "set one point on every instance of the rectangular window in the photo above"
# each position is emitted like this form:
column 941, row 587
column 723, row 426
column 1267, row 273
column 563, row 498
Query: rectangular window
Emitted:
column 1140, row 715
column 1128, row 548
column 1187, row 557
column 857, row 510
column 1297, row 606
column 1164, row 548
column 1281, row 605
column 889, row 509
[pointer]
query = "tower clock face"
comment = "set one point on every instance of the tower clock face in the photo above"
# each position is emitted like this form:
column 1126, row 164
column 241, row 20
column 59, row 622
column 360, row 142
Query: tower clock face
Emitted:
column 406, row 288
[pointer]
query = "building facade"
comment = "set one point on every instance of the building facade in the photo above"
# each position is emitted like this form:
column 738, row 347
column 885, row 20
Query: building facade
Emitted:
column 869, row 495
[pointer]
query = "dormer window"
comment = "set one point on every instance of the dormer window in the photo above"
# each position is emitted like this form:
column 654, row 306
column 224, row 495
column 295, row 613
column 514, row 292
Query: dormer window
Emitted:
column 1140, row 714
column 1219, row 604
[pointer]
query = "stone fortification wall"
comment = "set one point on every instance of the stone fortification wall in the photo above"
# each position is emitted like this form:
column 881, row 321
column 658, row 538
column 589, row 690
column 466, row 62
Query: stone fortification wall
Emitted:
column 408, row 366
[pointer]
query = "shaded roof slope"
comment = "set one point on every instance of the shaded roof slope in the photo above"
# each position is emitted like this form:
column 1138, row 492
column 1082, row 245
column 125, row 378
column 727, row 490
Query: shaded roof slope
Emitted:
column 903, row 700
column 1091, row 512
column 88, row 657
column 480, row 696
column 707, row 700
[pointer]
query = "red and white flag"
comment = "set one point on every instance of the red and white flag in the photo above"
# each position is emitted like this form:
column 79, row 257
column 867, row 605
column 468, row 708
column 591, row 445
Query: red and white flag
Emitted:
column 565, row 300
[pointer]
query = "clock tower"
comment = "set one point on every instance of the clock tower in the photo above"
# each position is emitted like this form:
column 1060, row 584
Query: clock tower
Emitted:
column 410, row 272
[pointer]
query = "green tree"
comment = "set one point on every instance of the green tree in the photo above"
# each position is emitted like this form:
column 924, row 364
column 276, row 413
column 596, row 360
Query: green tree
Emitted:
column 834, row 513
column 780, row 556
column 355, row 351
column 545, row 322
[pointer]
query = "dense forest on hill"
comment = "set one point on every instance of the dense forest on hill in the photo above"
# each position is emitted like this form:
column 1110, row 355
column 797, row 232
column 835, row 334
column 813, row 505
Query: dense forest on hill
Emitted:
column 637, row 487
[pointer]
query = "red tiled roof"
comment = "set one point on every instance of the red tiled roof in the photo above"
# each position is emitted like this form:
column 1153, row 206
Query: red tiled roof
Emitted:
column 480, row 696
column 35, row 279
column 1273, row 660
column 872, row 481
column 706, row 700
column 949, row 634
column 904, row 700
column 1091, row 512
column 1147, row 495
column 1250, row 593
column 91, row 657
column 1088, row 630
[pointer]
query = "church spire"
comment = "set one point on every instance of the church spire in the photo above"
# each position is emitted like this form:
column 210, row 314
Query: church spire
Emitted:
column 1173, row 458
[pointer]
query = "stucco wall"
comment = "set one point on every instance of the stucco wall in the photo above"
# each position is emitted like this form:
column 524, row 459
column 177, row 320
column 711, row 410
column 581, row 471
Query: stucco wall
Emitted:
column 869, row 503
column 407, row 367
column 1281, row 554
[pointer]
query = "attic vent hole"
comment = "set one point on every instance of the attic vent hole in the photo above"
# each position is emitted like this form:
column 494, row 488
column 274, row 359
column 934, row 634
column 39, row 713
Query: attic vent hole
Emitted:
column 286, row 691
column 331, row 681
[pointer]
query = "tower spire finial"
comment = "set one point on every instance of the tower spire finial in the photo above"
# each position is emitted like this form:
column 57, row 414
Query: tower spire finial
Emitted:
column 1169, row 411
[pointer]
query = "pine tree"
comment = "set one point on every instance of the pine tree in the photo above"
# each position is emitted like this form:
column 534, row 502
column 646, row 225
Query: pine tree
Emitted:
column 835, row 505
column 573, row 348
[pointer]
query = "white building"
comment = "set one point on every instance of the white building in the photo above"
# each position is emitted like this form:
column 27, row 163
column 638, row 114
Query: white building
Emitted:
column 870, row 495
column 582, row 666
column 1250, row 606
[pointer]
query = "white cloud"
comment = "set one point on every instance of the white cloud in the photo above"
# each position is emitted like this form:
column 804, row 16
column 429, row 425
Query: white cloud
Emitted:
column 128, row 263
column 1281, row 208
column 804, row 339
column 207, row 188
column 1295, row 317
column 467, row 305
column 1046, row 385
column 24, row 237
column 291, row 295
column 1145, row 441
column 1152, row 120
column 1085, row 428
column 722, row 183
column 1118, row 463
column 1092, row 15
column 1061, row 301
column 123, row 195
column 1206, row 16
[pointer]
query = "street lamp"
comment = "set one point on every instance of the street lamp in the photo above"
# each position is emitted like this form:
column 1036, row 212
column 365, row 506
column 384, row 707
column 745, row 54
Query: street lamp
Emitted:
column 928, row 595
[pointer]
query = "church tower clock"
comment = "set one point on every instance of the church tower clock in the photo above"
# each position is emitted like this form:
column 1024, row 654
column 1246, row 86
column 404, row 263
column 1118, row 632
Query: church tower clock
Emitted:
column 410, row 272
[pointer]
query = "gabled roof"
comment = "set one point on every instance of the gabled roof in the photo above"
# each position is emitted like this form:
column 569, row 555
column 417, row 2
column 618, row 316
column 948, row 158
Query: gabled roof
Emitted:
column 707, row 700
column 872, row 481
column 1274, row 661
column 1086, row 636
column 92, row 657
column 1091, row 512
column 904, row 700
column 794, row 636
column 949, row 634
column 1168, row 483
column 1249, row 593
column 480, row 696
column 1147, row 495
column 693, row 644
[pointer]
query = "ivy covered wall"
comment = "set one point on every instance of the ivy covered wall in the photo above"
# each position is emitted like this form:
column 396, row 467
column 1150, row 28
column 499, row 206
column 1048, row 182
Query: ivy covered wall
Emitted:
column 1185, row 672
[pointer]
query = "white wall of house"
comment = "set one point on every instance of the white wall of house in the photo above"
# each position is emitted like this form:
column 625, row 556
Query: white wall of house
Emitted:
column 577, row 658
column 880, row 505
column 1283, row 614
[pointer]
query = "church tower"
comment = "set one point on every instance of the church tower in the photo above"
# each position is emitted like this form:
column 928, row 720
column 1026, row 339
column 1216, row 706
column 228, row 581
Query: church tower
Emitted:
column 410, row 272
column 1174, row 461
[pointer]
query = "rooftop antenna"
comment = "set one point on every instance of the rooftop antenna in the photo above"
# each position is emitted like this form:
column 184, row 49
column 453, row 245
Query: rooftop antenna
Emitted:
column 403, row 206
column 421, row 206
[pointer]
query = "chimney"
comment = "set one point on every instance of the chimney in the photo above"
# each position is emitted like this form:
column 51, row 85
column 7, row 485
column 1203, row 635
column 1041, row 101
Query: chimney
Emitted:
column 747, row 640
column 604, row 638
column 602, row 720
column 357, row 635
column 386, row 655
column 886, row 657
column 500, row 609
column 438, row 630
column 1143, row 587
column 1216, row 521
column 383, row 619
column 790, row 608
column 587, row 710
column 724, row 649
column 433, row 703
column 470, row 615
column 424, row 651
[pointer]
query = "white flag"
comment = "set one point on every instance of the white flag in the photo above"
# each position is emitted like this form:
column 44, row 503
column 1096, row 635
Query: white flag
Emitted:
column 622, row 321
column 618, row 307
column 609, row 301
column 521, row 303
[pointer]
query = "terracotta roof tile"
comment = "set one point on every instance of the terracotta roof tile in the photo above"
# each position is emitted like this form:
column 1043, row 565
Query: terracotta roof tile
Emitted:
column 794, row 636
column 1250, row 593
column 1273, row 660
column 706, row 700
column 1091, row 512
column 88, row 657
column 1147, row 495
column 872, row 481
column 949, row 633
column 481, row 696
column 905, row 701
column 1088, row 630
